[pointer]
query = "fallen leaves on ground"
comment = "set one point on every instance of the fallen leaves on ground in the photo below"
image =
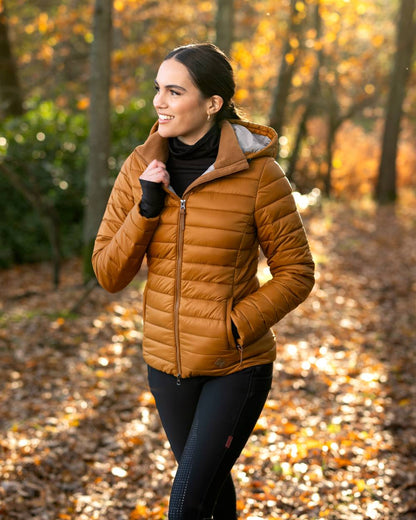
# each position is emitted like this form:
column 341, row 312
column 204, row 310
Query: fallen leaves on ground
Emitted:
column 81, row 439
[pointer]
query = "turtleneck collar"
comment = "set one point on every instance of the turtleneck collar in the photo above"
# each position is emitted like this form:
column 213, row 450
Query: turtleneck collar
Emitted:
column 187, row 162
column 205, row 146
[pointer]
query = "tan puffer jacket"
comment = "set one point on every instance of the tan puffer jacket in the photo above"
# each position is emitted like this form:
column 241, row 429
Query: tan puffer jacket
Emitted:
column 202, row 254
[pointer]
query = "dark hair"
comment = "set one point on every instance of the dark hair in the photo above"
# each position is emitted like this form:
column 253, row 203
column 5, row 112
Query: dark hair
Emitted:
column 212, row 73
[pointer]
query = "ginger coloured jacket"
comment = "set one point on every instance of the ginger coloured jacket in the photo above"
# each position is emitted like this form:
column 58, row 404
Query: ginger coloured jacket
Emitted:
column 202, row 254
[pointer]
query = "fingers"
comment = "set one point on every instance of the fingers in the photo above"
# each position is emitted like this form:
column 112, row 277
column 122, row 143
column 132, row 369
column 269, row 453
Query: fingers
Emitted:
column 155, row 163
column 156, row 172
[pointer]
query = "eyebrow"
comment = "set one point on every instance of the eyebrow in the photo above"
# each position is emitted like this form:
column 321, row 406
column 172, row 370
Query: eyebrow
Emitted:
column 172, row 86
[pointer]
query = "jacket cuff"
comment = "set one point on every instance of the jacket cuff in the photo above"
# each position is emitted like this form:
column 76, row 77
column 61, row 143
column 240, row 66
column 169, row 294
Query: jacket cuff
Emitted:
column 153, row 199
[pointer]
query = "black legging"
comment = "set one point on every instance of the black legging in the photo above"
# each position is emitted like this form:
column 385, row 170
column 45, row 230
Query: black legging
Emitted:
column 208, row 421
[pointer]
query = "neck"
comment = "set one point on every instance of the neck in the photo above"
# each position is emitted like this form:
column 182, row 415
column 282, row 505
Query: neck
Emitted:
column 204, row 130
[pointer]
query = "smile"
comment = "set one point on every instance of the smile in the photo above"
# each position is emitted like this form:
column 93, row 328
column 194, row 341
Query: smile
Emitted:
column 162, row 117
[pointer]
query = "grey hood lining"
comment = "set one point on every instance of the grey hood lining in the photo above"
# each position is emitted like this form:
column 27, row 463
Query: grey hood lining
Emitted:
column 250, row 142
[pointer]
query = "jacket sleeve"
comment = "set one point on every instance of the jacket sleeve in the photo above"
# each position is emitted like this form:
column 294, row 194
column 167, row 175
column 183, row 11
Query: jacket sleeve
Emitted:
column 283, row 240
column 124, row 233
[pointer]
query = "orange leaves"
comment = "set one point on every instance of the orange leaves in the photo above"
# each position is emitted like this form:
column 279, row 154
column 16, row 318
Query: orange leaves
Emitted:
column 360, row 484
column 290, row 58
column 342, row 462
column 335, row 440
column 142, row 512
column 289, row 428
column 147, row 399
column 119, row 5
column 377, row 40
column 242, row 56
column 83, row 103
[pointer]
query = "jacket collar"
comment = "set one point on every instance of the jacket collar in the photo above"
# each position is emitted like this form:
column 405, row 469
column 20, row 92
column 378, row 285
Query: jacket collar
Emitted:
column 235, row 148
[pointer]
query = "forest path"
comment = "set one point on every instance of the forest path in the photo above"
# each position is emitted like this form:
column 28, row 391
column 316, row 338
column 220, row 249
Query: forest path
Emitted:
column 80, row 437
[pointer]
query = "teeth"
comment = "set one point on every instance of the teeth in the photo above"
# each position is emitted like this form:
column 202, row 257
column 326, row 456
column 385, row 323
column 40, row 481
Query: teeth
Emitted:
column 164, row 118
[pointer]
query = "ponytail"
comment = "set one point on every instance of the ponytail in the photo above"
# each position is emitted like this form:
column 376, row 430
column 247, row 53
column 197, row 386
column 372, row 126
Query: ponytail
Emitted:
column 228, row 112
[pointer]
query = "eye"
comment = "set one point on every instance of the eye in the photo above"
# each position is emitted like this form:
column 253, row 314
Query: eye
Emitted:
column 157, row 88
column 175, row 93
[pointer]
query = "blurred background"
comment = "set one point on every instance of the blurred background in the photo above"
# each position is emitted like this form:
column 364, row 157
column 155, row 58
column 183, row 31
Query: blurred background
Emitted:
column 333, row 77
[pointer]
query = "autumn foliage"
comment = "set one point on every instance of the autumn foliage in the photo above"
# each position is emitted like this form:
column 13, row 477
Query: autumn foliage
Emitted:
column 81, row 438
column 354, row 41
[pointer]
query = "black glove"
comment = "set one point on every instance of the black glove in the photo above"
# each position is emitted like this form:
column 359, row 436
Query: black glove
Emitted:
column 153, row 198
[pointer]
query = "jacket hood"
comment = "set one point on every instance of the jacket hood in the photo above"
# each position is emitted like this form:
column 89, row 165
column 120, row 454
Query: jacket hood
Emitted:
column 255, row 140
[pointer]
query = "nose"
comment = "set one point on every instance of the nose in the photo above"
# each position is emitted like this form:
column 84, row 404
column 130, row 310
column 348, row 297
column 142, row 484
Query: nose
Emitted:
column 159, row 100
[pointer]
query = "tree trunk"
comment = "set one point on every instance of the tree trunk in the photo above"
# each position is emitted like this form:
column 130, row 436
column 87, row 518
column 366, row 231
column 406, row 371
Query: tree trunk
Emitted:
column 286, row 70
column 224, row 25
column 335, row 120
column 11, row 103
column 386, row 187
column 312, row 96
column 330, row 139
column 97, row 177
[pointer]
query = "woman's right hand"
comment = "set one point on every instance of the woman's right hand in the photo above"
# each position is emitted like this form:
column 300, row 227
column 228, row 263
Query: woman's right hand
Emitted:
column 156, row 172
column 152, row 180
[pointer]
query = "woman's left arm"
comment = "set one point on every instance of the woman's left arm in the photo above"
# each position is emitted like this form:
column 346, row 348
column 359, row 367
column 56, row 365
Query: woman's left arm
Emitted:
column 283, row 240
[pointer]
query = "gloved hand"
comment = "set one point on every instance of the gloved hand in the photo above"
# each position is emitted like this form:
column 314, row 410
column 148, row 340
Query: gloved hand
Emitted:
column 153, row 198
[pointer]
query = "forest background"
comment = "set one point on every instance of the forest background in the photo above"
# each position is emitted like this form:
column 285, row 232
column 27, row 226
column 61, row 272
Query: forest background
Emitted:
column 336, row 78
column 319, row 71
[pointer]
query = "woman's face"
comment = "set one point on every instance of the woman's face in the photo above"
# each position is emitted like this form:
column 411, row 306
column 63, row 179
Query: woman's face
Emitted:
column 180, row 105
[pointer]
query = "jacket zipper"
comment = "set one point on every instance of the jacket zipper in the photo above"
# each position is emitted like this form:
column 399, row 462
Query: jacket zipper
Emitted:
column 178, row 286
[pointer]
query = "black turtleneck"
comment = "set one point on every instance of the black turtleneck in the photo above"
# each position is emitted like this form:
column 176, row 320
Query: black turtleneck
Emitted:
column 187, row 162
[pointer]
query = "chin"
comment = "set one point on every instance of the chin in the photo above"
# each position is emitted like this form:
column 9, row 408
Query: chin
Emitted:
column 164, row 132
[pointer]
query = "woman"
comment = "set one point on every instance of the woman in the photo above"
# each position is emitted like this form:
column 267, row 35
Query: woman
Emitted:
column 198, row 198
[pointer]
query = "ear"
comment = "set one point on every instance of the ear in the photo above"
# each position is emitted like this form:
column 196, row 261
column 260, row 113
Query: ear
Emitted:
column 215, row 104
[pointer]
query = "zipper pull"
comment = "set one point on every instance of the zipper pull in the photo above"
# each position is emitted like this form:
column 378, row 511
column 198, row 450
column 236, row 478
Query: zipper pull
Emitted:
column 240, row 349
column 182, row 214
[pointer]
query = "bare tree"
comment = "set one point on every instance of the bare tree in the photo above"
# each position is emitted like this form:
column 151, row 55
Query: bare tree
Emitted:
column 11, row 99
column 224, row 25
column 386, row 187
column 97, row 178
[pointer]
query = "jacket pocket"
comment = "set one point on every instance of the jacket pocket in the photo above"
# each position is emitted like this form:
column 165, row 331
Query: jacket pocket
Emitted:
column 230, row 335
column 144, row 303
